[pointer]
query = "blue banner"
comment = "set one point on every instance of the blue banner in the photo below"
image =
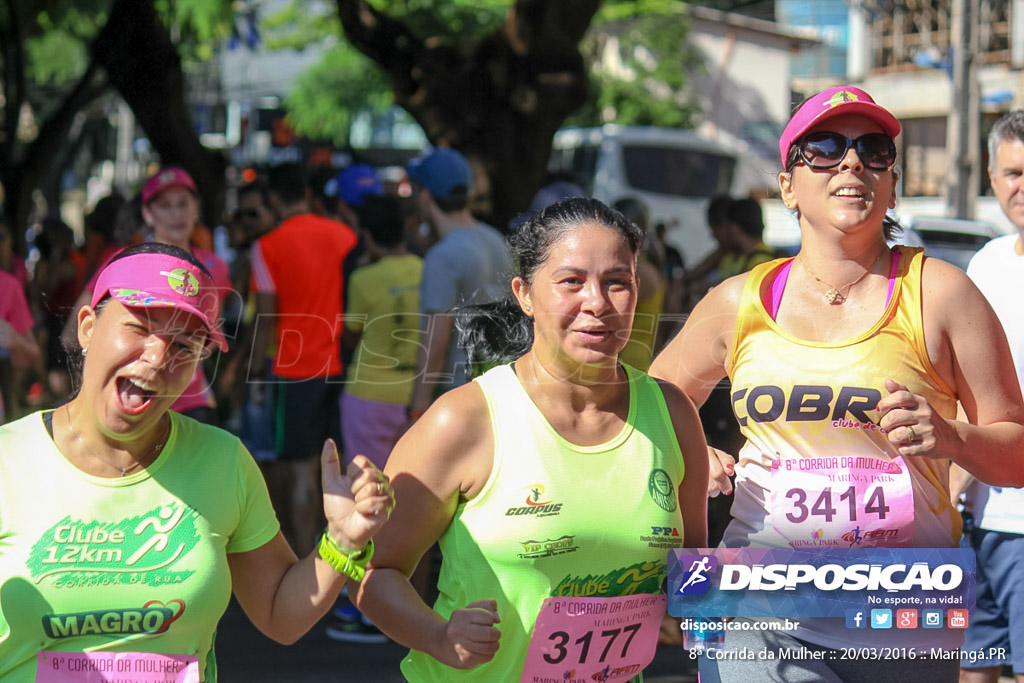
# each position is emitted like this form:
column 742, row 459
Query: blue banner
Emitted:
column 819, row 582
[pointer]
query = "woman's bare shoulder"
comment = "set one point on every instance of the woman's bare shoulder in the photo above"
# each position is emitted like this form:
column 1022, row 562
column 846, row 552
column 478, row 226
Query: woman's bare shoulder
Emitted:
column 451, row 445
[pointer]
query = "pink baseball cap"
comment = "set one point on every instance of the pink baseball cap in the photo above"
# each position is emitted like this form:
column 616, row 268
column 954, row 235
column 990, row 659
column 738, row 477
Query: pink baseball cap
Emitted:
column 842, row 99
column 149, row 280
column 171, row 176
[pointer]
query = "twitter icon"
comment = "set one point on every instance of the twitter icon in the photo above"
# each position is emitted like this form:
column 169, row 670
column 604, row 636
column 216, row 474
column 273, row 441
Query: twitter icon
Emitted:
column 881, row 618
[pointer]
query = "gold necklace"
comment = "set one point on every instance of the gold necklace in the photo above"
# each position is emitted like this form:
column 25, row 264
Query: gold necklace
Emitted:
column 124, row 470
column 834, row 296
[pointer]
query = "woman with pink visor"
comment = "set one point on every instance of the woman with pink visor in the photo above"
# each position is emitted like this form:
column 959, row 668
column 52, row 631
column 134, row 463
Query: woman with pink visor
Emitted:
column 125, row 527
column 170, row 206
column 847, row 364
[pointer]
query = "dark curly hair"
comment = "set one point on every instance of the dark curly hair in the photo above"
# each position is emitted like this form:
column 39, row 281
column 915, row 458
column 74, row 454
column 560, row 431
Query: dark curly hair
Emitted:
column 499, row 332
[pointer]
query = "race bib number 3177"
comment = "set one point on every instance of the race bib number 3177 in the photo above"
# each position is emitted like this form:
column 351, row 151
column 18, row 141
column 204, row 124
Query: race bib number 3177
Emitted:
column 587, row 639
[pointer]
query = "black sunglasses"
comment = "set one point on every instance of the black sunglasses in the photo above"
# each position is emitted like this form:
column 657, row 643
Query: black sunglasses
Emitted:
column 876, row 151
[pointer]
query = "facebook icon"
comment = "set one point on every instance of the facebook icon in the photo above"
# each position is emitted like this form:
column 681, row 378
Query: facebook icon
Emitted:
column 855, row 618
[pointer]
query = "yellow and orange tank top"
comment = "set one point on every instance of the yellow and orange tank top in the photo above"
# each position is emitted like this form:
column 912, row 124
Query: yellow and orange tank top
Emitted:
column 809, row 407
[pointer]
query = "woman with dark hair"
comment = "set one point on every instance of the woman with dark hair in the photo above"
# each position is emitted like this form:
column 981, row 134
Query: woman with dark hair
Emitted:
column 542, row 478
column 125, row 526
column 852, row 348
column 170, row 206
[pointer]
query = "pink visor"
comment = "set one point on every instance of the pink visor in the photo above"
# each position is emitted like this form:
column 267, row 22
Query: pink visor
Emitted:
column 172, row 176
column 162, row 281
column 843, row 99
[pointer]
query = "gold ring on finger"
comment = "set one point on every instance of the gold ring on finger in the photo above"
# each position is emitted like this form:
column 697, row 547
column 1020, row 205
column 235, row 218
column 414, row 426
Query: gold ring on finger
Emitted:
column 911, row 436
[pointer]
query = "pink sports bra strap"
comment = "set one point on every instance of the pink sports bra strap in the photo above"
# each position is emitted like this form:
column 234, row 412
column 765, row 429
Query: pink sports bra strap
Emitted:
column 778, row 286
column 782, row 276
column 893, row 270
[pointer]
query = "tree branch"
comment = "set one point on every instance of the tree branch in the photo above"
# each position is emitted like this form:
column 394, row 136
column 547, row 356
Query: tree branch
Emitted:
column 498, row 99
column 154, row 88
column 53, row 133
column 378, row 36
column 533, row 24
column 14, row 81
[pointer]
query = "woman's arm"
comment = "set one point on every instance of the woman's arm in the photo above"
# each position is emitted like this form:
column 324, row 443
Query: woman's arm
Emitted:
column 445, row 456
column 968, row 348
column 21, row 346
column 693, row 498
column 284, row 596
column 695, row 360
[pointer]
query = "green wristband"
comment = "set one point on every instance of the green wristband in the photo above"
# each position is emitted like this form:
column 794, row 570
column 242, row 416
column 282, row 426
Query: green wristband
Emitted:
column 351, row 565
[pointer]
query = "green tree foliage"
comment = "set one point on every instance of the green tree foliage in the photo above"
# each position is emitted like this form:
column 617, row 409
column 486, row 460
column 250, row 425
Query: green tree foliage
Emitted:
column 640, row 65
column 345, row 84
column 57, row 39
column 197, row 25
column 51, row 71
column 498, row 99
column 47, row 79
column 52, row 49
column 329, row 95
column 647, row 35
column 449, row 20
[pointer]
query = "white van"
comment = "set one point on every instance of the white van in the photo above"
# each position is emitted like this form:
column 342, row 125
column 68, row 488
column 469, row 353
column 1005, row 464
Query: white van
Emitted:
column 673, row 171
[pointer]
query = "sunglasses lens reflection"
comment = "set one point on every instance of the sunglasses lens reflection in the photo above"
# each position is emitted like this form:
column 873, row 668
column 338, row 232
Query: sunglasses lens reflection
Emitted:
column 877, row 151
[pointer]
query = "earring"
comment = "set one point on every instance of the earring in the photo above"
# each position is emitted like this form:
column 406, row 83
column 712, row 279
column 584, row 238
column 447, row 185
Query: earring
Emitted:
column 85, row 351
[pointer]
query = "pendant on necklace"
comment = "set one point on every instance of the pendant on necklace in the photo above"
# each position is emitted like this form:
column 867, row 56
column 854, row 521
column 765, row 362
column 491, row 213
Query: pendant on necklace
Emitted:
column 833, row 297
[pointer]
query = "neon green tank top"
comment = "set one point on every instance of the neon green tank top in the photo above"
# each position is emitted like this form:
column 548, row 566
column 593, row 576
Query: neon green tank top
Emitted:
column 557, row 519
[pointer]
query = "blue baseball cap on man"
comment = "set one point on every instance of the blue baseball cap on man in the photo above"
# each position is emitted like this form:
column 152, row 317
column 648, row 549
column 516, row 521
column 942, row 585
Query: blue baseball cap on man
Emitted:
column 441, row 171
column 354, row 183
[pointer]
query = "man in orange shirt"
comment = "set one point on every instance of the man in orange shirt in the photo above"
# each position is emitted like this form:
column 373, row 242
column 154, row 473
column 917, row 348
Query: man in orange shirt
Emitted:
column 297, row 277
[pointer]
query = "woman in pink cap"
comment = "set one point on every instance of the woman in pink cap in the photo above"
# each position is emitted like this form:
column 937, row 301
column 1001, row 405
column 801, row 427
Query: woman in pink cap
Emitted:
column 125, row 527
column 847, row 364
column 170, row 206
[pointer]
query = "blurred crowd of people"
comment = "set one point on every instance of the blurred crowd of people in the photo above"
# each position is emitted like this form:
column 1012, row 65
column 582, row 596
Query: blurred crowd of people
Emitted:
column 59, row 266
column 473, row 371
column 337, row 297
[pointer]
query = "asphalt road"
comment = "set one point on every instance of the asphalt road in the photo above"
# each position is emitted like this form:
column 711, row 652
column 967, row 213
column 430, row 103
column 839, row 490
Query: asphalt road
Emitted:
column 244, row 655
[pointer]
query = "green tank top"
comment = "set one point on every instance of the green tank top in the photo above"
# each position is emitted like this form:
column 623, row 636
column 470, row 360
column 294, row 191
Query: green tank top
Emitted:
column 557, row 519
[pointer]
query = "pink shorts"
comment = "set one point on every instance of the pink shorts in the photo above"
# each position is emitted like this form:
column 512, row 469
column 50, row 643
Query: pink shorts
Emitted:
column 370, row 428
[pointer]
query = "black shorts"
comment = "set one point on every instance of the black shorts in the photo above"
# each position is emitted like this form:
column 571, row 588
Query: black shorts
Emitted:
column 306, row 412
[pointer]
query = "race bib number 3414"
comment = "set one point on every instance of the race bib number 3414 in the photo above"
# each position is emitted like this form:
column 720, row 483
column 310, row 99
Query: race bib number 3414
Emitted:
column 843, row 501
